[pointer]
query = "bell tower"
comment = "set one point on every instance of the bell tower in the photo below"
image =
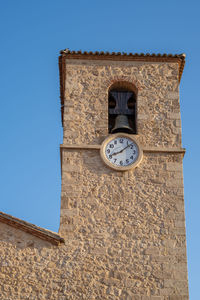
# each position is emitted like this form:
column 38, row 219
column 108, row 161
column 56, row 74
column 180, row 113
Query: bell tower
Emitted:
column 122, row 202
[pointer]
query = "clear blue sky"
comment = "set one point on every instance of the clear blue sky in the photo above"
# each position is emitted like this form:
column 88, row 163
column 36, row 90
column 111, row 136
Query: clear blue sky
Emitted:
column 32, row 33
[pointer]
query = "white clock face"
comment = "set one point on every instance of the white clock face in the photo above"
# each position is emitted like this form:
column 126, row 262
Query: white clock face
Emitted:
column 121, row 151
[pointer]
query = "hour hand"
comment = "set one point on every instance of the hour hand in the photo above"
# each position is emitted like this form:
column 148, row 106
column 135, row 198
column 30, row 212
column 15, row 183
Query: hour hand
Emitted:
column 115, row 153
column 122, row 149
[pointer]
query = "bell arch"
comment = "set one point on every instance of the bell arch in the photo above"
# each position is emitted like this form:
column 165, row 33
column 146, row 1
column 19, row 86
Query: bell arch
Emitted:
column 122, row 107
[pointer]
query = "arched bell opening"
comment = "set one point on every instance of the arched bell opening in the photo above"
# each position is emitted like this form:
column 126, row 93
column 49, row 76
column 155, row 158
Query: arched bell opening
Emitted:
column 122, row 109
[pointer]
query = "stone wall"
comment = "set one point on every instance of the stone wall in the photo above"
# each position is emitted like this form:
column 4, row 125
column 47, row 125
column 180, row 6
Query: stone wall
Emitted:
column 128, row 227
column 124, row 231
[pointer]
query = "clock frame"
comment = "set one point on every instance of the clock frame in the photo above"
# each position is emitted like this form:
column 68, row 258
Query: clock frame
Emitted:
column 118, row 167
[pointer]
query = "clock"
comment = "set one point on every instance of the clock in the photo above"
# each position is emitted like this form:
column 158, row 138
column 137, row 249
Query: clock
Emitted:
column 121, row 152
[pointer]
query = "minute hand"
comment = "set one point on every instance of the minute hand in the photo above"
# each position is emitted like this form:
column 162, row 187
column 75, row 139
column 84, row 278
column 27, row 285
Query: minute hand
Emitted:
column 122, row 150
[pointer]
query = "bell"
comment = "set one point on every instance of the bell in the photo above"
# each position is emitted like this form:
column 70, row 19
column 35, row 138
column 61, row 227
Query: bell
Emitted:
column 122, row 125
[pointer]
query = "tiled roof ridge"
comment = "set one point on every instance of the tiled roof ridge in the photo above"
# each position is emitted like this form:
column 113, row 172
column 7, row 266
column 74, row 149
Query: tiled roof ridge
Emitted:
column 30, row 228
column 80, row 52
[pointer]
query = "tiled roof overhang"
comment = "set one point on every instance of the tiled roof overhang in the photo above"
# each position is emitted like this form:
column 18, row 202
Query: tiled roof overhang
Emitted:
column 32, row 229
column 114, row 56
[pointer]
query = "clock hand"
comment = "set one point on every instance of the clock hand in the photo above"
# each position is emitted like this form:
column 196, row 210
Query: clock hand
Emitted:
column 115, row 153
column 121, row 150
column 127, row 146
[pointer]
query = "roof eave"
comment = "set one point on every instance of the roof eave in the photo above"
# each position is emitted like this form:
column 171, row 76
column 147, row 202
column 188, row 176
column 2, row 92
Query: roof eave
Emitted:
column 32, row 229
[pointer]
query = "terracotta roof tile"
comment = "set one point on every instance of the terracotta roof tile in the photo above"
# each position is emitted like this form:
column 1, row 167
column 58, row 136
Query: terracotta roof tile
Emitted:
column 72, row 52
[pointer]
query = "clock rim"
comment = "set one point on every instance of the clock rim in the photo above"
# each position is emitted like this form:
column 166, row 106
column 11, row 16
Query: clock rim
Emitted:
column 120, row 168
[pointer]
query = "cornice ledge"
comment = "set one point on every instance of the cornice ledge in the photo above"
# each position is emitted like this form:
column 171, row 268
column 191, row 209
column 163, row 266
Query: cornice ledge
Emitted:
column 80, row 146
column 164, row 150
column 145, row 149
